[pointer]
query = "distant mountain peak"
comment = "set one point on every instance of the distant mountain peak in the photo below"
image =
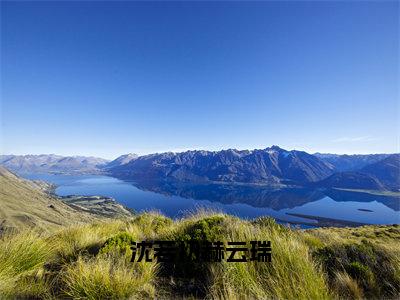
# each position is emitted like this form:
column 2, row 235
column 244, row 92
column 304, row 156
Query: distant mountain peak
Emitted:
column 277, row 148
column 127, row 155
column 121, row 160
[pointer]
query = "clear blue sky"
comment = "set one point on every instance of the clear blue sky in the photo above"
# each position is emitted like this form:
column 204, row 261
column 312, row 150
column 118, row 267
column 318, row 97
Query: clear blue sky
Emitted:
column 107, row 78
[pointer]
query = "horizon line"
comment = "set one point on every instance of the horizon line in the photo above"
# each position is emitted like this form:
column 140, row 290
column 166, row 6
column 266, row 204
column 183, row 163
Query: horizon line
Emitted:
column 193, row 150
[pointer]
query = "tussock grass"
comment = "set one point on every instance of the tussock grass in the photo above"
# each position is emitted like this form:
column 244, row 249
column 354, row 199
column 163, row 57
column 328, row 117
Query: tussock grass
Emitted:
column 22, row 255
column 359, row 262
column 93, row 261
column 292, row 275
column 109, row 277
column 346, row 286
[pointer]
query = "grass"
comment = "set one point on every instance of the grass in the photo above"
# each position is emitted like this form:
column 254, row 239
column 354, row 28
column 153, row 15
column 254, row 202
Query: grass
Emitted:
column 22, row 258
column 93, row 261
column 23, row 205
column 292, row 275
column 361, row 262
column 108, row 277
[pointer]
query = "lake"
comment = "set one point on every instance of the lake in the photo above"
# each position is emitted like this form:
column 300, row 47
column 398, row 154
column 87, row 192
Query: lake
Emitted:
column 175, row 199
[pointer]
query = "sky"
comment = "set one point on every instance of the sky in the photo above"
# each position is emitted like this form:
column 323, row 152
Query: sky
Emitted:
column 108, row 78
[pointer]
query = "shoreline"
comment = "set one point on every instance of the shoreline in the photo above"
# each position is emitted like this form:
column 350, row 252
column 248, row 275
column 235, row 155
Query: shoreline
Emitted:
column 111, row 207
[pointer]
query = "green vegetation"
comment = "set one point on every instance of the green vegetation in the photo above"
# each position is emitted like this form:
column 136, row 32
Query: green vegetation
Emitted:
column 93, row 261
column 360, row 262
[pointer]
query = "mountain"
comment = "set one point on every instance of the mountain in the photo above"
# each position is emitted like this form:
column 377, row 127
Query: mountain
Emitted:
column 269, row 166
column 121, row 160
column 24, row 204
column 342, row 163
column 386, row 170
column 352, row 180
column 50, row 163
column 381, row 175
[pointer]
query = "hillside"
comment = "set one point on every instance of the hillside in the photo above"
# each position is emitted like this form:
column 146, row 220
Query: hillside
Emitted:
column 345, row 162
column 387, row 170
column 23, row 204
column 381, row 175
column 78, row 255
column 352, row 180
column 94, row 261
column 27, row 204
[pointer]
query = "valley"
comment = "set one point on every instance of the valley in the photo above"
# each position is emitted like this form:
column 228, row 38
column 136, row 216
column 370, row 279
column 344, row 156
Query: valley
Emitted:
column 248, row 183
column 271, row 166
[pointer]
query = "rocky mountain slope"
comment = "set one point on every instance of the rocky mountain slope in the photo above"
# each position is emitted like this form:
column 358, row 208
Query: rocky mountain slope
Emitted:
column 386, row 170
column 121, row 160
column 381, row 175
column 345, row 162
column 269, row 166
column 352, row 180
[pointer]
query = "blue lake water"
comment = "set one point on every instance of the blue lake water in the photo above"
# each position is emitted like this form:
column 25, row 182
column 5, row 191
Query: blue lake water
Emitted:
column 177, row 199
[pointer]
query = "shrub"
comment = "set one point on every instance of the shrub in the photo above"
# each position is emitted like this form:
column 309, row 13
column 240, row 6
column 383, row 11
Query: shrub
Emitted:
column 361, row 272
column 152, row 223
column 120, row 243
column 207, row 229
column 365, row 263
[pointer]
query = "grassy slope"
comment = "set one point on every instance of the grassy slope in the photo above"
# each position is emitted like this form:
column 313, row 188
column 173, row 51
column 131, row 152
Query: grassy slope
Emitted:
column 92, row 261
column 64, row 257
column 23, row 205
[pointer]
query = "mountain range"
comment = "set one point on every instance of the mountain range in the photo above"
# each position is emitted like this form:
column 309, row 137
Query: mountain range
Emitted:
column 345, row 162
column 271, row 166
column 380, row 175
column 268, row 166
column 51, row 163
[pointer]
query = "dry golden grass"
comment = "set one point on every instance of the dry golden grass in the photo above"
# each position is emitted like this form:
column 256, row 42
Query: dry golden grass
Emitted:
column 23, row 206
column 92, row 262
column 108, row 277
